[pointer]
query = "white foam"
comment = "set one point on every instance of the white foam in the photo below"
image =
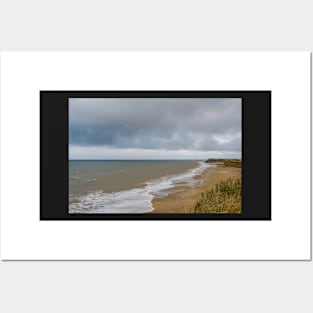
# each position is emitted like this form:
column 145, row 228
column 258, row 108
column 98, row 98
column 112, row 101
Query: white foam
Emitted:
column 136, row 200
column 160, row 188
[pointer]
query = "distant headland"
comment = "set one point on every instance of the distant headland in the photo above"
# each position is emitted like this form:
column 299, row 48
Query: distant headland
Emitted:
column 226, row 162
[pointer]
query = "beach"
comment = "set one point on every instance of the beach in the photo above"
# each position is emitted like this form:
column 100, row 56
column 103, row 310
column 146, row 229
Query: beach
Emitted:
column 182, row 199
column 151, row 187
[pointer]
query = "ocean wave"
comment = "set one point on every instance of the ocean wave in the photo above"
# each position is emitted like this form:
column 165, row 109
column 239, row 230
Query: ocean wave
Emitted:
column 136, row 200
column 75, row 177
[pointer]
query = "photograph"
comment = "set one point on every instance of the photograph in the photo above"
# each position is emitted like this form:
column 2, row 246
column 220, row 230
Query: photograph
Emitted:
column 155, row 155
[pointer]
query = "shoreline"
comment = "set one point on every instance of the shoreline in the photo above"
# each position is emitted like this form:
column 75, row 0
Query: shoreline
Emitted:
column 184, row 198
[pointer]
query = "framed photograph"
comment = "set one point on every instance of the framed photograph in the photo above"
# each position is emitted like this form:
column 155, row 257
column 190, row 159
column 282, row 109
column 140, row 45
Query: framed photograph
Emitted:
column 155, row 156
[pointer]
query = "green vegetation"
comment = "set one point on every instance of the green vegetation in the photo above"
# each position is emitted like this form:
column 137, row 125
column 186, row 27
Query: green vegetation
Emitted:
column 225, row 197
column 226, row 162
column 214, row 160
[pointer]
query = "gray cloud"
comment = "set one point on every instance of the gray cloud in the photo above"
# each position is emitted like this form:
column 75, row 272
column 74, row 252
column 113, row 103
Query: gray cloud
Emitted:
column 156, row 124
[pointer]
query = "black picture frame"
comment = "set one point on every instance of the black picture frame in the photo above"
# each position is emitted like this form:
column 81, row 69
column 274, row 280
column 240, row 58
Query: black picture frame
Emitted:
column 256, row 154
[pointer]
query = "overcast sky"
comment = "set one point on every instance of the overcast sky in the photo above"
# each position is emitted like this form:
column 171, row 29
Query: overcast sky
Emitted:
column 154, row 128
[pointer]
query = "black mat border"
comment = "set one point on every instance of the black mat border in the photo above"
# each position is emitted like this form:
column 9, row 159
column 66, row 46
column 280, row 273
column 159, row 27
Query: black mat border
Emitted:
column 256, row 152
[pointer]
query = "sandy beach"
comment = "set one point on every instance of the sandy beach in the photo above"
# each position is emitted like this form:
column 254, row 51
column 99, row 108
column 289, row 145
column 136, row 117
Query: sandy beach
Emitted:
column 185, row 198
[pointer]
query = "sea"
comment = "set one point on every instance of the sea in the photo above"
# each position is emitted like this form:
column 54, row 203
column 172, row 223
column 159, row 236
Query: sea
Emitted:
column 127, row 186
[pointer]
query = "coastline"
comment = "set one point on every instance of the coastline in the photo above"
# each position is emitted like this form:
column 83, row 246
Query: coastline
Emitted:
column 183, row 198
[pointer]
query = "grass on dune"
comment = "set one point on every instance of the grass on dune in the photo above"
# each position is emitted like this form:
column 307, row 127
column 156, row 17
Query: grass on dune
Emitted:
column 225, row 197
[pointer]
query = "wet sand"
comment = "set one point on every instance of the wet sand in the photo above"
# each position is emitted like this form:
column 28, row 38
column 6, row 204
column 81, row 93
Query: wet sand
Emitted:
column 184, row 200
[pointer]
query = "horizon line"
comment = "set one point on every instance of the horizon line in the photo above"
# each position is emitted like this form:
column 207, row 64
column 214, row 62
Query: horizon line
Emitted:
column 153, row 159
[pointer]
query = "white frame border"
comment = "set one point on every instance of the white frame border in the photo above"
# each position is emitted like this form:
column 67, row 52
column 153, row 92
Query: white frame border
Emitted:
column 286, row 237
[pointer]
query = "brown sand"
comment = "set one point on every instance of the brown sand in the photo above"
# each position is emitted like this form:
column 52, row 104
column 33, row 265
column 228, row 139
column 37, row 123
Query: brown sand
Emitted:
column 185, row 199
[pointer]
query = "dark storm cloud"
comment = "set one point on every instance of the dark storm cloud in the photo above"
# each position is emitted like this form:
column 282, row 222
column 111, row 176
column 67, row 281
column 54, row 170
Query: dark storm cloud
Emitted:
column 173, row 124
